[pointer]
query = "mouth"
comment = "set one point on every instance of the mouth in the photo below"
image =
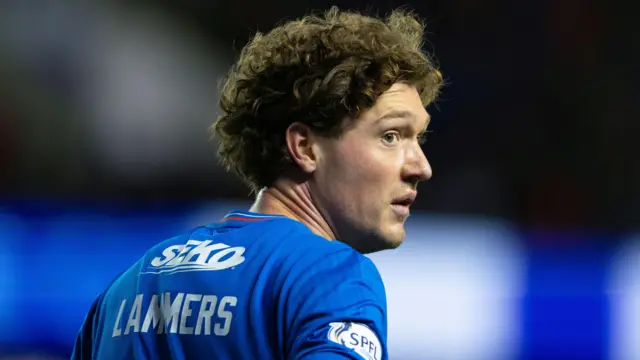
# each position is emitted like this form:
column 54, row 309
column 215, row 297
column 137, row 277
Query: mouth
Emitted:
column 401, row 210
column 402, row 204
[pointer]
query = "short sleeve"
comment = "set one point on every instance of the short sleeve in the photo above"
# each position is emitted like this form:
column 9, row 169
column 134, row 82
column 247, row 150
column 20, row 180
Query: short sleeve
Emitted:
column 338, row 310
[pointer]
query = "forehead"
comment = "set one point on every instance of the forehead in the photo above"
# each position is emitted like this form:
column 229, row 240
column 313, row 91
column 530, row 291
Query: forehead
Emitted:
column 400, row 101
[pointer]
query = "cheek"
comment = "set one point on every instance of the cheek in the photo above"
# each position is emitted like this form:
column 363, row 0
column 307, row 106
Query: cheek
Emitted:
column 344, row 165
column 361, row 178
column 364, row 164
column 367, row 187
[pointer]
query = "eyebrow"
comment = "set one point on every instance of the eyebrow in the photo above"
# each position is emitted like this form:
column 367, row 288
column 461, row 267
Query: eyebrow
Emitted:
column 396, row 114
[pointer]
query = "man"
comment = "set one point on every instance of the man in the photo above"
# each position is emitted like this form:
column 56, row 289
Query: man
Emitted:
column 323, row 118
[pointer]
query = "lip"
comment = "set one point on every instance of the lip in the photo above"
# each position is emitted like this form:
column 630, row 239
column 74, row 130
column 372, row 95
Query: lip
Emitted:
column 401, row 210
column 405, row 200
column 401, row 205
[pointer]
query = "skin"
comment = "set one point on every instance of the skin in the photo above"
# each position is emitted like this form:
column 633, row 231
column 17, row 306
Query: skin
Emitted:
column 348, row 188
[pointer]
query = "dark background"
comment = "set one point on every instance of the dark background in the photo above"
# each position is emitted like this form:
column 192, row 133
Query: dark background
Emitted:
column 537, row 123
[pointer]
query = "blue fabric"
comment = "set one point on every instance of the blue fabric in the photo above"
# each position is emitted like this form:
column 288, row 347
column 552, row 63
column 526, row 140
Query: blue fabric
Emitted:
column 252, row 286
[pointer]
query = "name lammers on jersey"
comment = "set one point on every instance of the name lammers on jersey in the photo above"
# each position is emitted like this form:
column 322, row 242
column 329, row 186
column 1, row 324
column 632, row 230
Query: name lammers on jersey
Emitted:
column 170, row 313
column 195, row 255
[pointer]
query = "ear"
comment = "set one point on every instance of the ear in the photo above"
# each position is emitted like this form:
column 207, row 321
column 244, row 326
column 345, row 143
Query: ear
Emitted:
column 300, row 140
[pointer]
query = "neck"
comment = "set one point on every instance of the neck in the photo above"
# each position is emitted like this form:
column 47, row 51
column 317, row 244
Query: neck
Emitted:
column 294, row 201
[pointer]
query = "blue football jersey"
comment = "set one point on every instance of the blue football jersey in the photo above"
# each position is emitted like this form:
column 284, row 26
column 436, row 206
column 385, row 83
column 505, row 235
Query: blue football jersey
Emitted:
column 252, row 286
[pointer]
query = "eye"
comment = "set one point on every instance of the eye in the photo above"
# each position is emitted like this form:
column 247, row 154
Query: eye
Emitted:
column 391, row 137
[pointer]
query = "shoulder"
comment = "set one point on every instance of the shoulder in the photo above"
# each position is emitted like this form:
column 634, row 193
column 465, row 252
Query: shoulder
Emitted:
column 318, row 255
column 316, row 270
column 335, row 303
column 305, row 255
column 340, row 274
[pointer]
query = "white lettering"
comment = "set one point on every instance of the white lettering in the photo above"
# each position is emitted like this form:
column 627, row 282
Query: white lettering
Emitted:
column 357, row 337
column 176, row 313
column 207, row 309
column 184, row 252
column 167, row 255
column 134, row 315
column 186, row 312
column 235, row 259
column 171, row 310
column 225, row 314
column 117, row 331
column 196, row 255
column 153, row 316
column 201, row 253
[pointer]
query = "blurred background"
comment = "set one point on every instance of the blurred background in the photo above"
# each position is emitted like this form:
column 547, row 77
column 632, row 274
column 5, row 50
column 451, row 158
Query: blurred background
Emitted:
column 525, row 244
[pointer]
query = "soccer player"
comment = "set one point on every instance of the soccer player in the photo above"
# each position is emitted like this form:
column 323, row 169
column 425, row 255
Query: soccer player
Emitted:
column 323, row 118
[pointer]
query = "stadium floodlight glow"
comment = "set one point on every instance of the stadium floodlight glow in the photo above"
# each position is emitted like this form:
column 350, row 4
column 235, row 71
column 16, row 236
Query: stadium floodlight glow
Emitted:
column 453, row 290
column 624, row 300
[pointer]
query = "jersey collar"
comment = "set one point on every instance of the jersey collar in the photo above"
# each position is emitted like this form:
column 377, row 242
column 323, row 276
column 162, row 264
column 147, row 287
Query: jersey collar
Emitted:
column 247, row 216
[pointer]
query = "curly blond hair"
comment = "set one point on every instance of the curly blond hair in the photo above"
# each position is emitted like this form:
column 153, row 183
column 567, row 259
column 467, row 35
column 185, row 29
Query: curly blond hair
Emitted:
column 318, row 70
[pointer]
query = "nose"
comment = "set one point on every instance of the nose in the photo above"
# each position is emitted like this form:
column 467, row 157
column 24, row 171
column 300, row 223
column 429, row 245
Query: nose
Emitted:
column 417, row 167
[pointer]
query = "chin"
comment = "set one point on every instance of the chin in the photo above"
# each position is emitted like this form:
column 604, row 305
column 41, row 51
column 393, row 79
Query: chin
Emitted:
column 370, row 239
column 395, row 239
column 385, row 240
